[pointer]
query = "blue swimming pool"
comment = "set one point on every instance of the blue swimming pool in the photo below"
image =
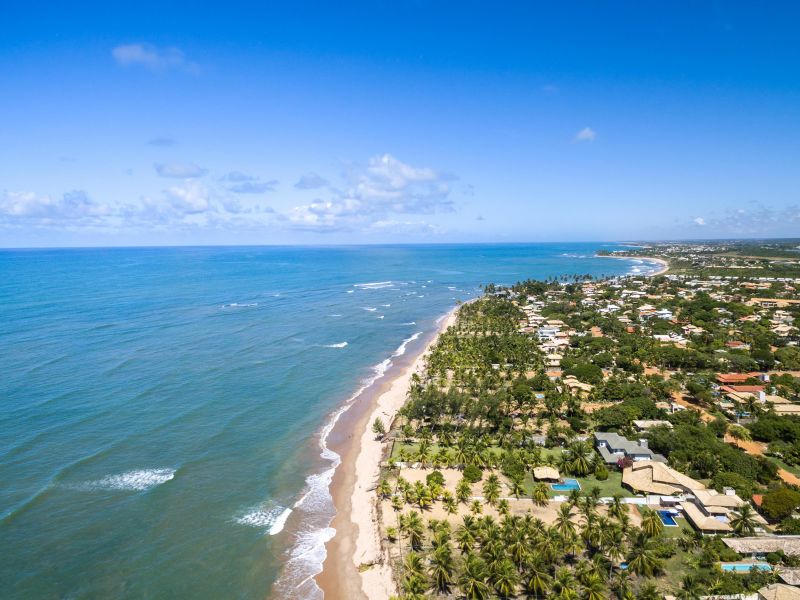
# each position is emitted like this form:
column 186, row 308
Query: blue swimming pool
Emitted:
column 566, row 486
column 667, row 518
column 744, row 567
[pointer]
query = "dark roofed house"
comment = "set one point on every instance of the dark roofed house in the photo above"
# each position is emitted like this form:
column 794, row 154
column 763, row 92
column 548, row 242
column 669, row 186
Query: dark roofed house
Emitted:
column 612, row 447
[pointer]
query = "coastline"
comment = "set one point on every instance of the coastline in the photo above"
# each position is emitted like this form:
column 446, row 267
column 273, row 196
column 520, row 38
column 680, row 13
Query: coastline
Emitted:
column 357, row 539
column 664, row 264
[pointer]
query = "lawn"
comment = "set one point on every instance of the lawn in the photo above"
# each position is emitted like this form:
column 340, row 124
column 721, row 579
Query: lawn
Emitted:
column 608, row 488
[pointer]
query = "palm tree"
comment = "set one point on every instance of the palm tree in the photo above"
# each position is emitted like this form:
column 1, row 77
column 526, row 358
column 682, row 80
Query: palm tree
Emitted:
column 744, row 522
column 441, row 568
column 580, row 453
column 505, row 578
column 463, row 490
column 537, row 581
column 594, row 587
column 541, row 494
column 384, row 489
column 641, row 558
column 413, row 527
column 652, row 524
column 491, row 489
column 564, row 523
column 473, row 580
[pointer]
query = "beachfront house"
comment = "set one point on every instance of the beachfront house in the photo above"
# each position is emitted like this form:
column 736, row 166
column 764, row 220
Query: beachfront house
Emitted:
column 613, row 447
column 760, row 546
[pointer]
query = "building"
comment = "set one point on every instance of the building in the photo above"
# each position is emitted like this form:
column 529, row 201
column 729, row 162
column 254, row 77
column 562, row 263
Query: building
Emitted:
column 649, row 477
column 613, row 447
column 760, row 546
column 778, row 591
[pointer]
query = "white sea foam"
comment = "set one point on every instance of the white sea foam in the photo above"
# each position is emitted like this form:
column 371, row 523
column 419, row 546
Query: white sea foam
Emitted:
column 272, row 518
column 335, row 315
column 308, row 552
column 376, row 285
column 381, row 316
column 385, row 305
column 350, row 291
column 138, row 480
column 410, row 323
column 240, row 305
column 369, row 308
column 402, row 348
column 452, row 288
column 339, row 345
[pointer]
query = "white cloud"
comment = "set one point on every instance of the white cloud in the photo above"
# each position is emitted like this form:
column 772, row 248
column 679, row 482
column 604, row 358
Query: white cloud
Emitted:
column 755, row 220
column 587, row 134
column 153, row 58
column 179, row 170
column 384, row 187
column 241, row 183
column 310, row 181
column 190, row 198
column 385, row 195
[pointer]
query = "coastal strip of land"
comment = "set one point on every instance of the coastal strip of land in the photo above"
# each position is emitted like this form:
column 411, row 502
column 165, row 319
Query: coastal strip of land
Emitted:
column 356, row 565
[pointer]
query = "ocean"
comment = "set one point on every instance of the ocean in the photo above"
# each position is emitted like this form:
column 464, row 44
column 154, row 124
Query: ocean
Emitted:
column 163, row 411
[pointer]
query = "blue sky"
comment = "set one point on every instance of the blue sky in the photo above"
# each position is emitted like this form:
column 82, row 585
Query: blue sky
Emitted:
column 370, row 122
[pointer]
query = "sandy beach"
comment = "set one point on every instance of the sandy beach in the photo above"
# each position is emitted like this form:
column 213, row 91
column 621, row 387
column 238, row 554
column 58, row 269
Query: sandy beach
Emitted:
column 357, row 565
column 664, row 264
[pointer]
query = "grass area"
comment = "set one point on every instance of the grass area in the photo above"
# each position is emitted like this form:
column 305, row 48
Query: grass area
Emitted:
column 676, row 532
column 608, row 488
column 793, row 469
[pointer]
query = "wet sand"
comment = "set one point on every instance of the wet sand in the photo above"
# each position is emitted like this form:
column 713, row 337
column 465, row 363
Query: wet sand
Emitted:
column 357, row 540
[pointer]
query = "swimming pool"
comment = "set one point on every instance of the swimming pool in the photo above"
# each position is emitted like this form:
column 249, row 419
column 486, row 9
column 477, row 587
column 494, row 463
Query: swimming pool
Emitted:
column 567, row 486
column 667, row 518
column 744, row 567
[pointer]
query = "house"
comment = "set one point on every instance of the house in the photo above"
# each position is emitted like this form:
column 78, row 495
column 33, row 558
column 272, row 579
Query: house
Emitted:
column 650, row 477
column 778, row 591
column 546, row 474
column 578, row 387
column 760, row 546
column 711, row 512
column 613, row 447
column 644, row 424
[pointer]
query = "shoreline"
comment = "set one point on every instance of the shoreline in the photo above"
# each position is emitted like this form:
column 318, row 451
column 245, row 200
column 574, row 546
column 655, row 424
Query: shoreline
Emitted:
column 664, row 264
column 357, row 539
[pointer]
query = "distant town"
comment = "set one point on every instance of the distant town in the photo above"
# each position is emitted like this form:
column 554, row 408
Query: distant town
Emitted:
column 629, row 437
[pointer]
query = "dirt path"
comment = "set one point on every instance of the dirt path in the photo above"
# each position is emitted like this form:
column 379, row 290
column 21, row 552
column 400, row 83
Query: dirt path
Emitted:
column 684, row 401
column 758, row 449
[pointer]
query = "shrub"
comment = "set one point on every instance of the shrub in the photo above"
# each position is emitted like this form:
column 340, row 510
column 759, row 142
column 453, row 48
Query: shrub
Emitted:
column 472, row 473
column 435, row 477
column 601, row 473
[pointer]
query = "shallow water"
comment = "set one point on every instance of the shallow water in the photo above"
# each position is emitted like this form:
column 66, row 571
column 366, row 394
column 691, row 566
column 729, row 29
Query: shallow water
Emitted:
column 161, row 409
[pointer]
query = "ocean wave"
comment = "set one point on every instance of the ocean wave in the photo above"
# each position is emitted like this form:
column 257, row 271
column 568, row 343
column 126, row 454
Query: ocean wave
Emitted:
column 307, row 552
column 272, row 518
column 339, row 345
column 401, row 349
column 376, row 285
column 240, row 305
column 381, row 316
column 136, row 481
column 385, row 305
column 410, row 323
column 369, row 308
column 350, row 291
column 335, row 315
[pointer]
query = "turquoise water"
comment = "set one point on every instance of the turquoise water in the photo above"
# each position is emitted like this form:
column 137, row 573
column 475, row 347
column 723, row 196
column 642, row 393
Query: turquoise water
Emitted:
column 667, row 518
column 567, row 486
column 744, row 567
column 162, row 411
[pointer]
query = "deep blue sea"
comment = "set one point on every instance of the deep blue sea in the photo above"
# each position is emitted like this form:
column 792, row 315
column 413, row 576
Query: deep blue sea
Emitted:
column 162, row 411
